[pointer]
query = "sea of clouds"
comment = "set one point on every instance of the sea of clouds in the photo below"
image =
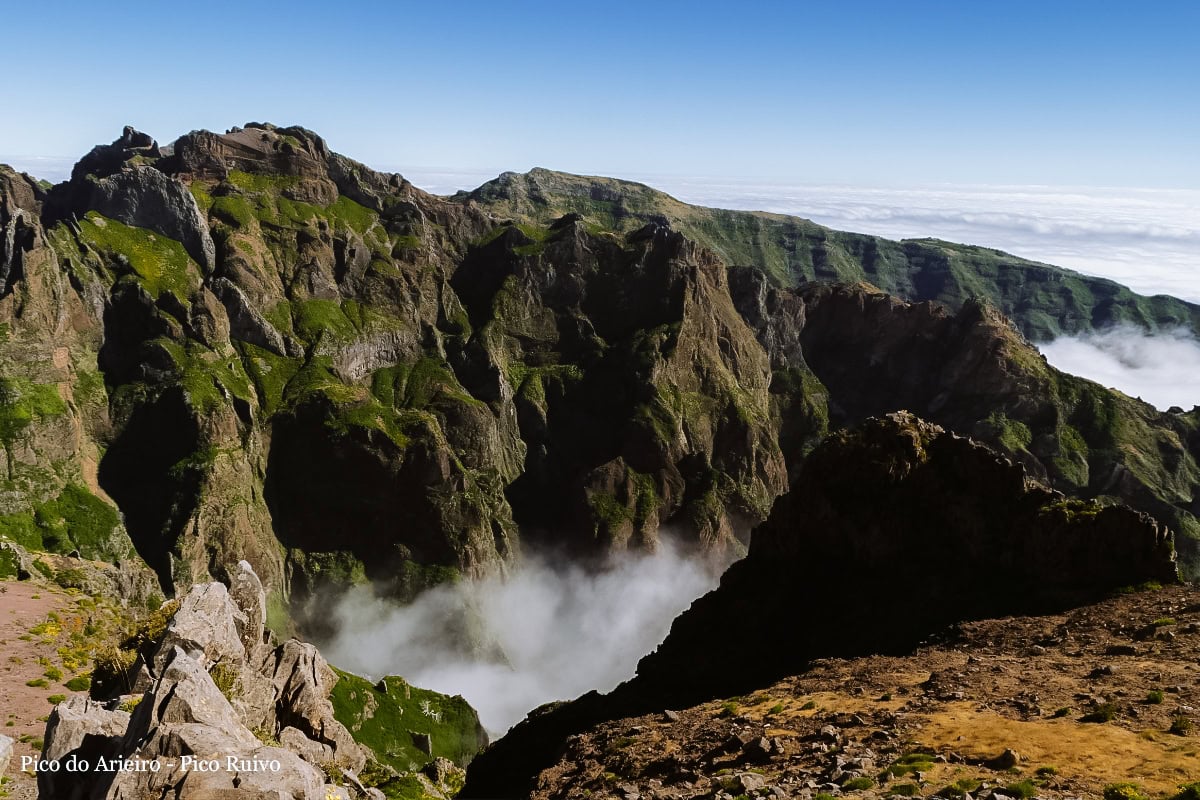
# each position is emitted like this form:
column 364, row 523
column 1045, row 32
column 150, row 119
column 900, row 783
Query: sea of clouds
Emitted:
column 550, row 631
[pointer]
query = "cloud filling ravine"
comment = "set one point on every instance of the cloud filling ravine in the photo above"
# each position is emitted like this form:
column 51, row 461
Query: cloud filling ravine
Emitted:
column 549, row 631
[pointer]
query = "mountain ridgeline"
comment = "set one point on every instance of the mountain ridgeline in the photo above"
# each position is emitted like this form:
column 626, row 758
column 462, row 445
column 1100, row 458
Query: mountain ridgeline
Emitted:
column 245, row 346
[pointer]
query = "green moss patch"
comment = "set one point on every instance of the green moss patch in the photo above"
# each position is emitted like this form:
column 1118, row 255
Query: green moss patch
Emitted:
column 385, row 716
column 78, row 520
column 22, row 401
column 158, row 263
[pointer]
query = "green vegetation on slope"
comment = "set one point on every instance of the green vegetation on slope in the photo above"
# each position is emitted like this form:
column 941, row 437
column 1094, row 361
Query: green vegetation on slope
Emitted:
column 390, row 717
column 158, row 263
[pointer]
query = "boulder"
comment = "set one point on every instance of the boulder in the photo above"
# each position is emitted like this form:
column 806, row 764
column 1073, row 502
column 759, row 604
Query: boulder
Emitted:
column 303, row 681
column 85, row 729
column 208, row 625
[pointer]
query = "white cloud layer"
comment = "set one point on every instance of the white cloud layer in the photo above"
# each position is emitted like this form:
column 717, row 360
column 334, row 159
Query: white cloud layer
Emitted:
column 548, row 632
column 1162, row 369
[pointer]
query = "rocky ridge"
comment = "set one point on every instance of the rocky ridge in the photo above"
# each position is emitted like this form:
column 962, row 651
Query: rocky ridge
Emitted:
column 213, row 688
column 1088, row 703
column 245, row 346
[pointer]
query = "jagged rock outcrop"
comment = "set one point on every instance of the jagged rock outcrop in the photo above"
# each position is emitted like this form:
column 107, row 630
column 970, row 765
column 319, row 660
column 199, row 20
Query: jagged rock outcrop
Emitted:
column 891, row 532
column 219, row 692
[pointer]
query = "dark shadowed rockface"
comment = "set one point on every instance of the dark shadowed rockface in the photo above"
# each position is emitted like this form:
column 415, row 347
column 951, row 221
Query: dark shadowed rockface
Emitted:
column 893, row 531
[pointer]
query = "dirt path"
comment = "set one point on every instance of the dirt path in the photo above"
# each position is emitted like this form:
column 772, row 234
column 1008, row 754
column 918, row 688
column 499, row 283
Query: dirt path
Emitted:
column 30, row 639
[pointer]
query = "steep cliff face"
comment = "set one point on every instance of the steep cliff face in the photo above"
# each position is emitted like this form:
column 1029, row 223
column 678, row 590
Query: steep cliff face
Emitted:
column 892, row 532
column 855, row 352
column 1043, row 300
column 324, row 371
column 253, row 348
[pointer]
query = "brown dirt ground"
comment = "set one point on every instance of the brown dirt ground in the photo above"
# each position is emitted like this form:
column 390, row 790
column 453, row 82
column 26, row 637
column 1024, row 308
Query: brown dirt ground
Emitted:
column 1023, row 683
column 24, row 605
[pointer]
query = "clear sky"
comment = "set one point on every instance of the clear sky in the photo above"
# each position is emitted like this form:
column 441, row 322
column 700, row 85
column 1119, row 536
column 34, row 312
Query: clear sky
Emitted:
column 885, row 93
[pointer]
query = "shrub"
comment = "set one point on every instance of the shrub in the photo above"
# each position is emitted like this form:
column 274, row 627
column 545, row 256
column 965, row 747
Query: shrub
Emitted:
column 225, row 677
column 1188, row 791
column 1124, row 791
column 1023, row 789
column 55, row 699
column 1155, row 697
column 80, row 683
column 1105, row 712
column 1180, row 725
column 857, row 784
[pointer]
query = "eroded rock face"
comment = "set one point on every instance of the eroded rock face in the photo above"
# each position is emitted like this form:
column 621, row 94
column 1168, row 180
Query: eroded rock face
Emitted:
column 295, row 344
column 217, row 691
column 893, row 531
column 87, row 729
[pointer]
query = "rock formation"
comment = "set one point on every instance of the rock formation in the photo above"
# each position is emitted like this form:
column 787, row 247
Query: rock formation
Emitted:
column 217, row 692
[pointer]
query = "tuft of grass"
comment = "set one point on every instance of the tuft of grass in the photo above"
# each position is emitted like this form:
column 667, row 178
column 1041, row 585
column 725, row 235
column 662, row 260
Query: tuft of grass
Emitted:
column 775, row 709
column 1155, row 696
column 55, row 699
column 1180, row 725
column 910, row 764
column 728, row 708
column 80, row 683
column 1022, row 789
column 857, row 784
column 1105, row 712
column 38, row 683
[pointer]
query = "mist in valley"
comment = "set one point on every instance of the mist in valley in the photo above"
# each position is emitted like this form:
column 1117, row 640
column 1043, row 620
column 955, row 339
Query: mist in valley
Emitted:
column 1161, row 368
column 551, row 630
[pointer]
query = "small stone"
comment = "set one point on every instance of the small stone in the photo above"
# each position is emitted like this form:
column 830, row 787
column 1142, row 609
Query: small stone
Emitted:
column 757, row 749
column 671, row 716
column 1006, row 760
column 750, row 782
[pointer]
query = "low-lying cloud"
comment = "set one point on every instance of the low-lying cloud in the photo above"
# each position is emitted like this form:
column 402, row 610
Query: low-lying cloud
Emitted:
column 548, row 632
column 1163, row 369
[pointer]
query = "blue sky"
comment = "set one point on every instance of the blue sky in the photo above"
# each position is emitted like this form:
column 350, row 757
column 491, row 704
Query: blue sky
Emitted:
column 887, row 93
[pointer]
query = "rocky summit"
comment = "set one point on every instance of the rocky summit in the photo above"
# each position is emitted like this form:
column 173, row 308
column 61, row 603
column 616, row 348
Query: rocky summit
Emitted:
column 245, row 372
